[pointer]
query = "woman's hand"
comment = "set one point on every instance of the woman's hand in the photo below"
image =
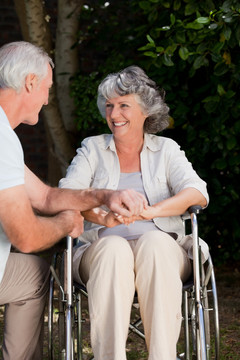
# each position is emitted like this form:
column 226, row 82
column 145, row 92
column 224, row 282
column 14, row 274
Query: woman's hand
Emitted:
column 112, row 219
column 148, row 213
column 107, row 218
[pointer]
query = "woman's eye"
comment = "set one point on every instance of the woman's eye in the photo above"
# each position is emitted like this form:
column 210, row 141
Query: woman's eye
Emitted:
column 124, row 105
column 108, row 105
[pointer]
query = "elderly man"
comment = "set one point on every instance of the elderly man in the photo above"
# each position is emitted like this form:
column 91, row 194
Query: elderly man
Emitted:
column 34, row 216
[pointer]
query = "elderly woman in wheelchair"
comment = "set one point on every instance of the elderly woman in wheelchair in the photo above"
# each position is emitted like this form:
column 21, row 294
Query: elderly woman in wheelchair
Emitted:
column 150, row 254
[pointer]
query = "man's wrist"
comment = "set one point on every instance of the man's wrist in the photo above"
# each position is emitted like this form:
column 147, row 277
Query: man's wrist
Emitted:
column 102, row 196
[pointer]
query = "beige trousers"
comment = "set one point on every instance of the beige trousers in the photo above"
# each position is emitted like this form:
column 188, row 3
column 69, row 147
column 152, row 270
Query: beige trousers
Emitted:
column 23, row 290
column 113, row 268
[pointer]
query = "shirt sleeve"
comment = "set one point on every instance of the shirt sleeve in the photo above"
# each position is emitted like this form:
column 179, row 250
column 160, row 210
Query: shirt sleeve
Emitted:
column 79, row 172
column 181, row 174
column 11, row 159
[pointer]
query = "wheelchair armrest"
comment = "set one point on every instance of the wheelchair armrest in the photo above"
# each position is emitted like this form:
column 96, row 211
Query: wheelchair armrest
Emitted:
column 195, row 209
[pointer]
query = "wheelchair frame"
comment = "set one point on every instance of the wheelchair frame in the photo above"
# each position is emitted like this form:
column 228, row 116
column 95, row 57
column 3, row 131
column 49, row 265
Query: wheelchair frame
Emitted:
column 195, row 298
column 196, row 311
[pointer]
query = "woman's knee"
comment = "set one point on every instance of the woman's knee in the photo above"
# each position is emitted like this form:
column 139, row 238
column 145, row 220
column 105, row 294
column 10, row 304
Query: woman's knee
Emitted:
column 160, row 248
column 155, row 241
column 115, row 246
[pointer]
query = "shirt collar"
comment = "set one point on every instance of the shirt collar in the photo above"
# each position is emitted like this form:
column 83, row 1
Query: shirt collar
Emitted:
column 3, row 116
column 150, row 142
column 110, row 143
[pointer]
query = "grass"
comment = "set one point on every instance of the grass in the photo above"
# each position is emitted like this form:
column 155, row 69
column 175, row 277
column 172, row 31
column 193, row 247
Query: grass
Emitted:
column 228, row 286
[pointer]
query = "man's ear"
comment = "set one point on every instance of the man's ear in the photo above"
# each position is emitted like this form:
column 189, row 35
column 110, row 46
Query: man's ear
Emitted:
column 30, row 82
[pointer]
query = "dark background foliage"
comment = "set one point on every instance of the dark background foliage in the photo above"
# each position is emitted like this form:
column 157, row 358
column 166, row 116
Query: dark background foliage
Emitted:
column 191, row 49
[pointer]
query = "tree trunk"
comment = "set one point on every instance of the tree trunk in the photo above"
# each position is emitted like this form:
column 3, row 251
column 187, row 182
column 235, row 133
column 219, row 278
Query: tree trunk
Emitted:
column 35, row 29
column 66, row 56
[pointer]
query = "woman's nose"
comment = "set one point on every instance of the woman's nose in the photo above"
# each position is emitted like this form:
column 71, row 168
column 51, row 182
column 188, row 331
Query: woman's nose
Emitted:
column 115, row 112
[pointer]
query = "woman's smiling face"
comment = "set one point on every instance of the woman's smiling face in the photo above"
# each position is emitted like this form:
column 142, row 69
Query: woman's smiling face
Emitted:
column 125, row 116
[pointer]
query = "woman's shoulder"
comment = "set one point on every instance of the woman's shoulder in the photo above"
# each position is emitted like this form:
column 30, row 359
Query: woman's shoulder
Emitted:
column 97, row 140
column 159, row 142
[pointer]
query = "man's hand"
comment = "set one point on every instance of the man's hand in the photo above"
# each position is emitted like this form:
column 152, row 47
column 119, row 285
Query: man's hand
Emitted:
column 126, row 202
column 76, row 219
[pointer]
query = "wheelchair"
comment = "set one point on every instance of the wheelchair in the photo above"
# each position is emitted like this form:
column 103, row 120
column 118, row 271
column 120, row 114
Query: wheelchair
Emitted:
column 200, row 331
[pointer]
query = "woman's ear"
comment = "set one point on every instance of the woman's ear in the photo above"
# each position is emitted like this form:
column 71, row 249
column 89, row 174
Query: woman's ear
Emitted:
column 30, row 82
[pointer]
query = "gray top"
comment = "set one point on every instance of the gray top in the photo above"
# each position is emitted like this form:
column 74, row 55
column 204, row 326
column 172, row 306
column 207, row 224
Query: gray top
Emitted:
column 136, row 229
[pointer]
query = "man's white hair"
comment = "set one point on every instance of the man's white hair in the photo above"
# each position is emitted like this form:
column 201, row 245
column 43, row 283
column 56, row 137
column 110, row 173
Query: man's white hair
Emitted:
column 17, row 60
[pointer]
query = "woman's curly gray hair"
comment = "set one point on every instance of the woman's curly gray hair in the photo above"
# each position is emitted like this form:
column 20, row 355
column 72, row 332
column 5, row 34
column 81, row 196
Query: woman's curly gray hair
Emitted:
column 133, row 80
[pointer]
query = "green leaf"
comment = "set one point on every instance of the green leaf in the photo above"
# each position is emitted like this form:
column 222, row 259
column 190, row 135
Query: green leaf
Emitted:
column 150, row 39
column 145, row 5
column 220, row 69
column 171, row 49
column 194, row 25
column 183, row 53
column 166, row 4
column 217, row 186
column 172, row 19
column 227, row 33
column 226, row 6
column 165, row 28
column 230, row 94
column 231, row 143
column 167, row 60
column 159, row 49
column 190, row 9
column 202, row 47
column 203, row 20
column 218, row 47
column 217, row 58
column 237, row 33
column 227, row 19
column 234, row 160
column 147, row 47
column 220, row 164
column 199, row 61
column 150, row 53
column 213, row 26
column 180, row 37
column 237, row 126
column 234, row 194
column 211, row 98
column 176, row 5
column 211, row 107
column 220, row 90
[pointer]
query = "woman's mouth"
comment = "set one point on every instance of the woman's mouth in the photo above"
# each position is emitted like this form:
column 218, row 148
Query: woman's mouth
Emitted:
column 119, row 124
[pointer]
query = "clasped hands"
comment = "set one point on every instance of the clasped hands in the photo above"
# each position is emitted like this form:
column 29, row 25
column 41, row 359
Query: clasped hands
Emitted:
column 113, row 219
column 133, row 207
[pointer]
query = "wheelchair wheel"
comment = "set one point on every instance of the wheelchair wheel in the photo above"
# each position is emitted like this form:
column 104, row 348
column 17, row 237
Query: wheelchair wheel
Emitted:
column 201, row 324
column 56, row 312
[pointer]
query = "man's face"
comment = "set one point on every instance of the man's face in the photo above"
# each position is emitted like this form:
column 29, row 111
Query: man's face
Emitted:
column 37, row 96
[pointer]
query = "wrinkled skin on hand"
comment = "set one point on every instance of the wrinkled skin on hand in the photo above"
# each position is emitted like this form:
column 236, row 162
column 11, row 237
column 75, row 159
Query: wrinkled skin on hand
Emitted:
column 126, row 202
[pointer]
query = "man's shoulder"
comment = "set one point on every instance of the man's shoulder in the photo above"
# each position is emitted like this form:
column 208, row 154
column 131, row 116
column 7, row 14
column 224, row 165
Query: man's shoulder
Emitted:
column 11, row 158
